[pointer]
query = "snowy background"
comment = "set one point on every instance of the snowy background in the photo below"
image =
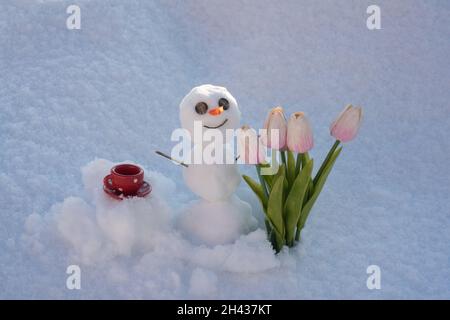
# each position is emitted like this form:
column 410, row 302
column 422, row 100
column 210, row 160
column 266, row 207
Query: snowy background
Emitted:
column 71, row 98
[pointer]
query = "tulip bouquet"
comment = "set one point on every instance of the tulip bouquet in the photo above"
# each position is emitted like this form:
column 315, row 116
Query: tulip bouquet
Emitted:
column 288, row 194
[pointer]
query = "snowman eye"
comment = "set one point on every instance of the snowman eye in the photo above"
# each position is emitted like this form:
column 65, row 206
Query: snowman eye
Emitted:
column 224, row 103
column 201, row 108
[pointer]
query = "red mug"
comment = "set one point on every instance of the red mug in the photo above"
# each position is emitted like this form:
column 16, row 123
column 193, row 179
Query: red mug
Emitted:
column 127, row 178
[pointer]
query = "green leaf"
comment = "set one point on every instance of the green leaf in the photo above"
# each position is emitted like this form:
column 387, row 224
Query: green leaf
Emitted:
column 269, row 181
column 317, row 189
column 305, row 158
column 264, row 165
column 275, row 206
column 281, row 172
column 257, row 189
column 309, row 191
column 285, row 189
column 294, row 201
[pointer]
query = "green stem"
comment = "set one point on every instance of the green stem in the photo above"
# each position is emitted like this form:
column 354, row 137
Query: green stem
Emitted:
column 261, row 180
column 297, row 234
column 268, row 229
column 290, row 169
column 304, row 158
column 298, row 164
column 325, row 162
column 283, row 157
column 264, row 187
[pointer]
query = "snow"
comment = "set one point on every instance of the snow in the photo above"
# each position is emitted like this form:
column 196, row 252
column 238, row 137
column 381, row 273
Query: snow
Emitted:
column 138, row 233
column 69, row 98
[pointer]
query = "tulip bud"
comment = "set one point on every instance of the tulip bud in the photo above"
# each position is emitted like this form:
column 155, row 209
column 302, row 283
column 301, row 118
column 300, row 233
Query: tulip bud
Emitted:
column 347, row 124
column 250, row 148
column 299, row 133
column 275, row 129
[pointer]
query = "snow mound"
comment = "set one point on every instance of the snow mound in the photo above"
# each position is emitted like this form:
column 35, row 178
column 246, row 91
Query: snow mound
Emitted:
column 136, row 241
column 105, row 228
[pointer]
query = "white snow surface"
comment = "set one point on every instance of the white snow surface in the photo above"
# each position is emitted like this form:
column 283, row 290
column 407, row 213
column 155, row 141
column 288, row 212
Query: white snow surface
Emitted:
column 71, row 98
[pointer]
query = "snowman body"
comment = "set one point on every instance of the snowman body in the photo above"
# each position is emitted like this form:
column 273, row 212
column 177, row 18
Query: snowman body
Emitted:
column 213, row 182
column 219, row 216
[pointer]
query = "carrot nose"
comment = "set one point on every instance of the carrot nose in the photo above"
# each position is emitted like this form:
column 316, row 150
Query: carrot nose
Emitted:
column 216, row 111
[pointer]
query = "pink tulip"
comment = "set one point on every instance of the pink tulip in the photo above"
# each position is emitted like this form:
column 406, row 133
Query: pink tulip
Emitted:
column 251, row 150
column 347, row 124
column 299, row 133
column 275, row 125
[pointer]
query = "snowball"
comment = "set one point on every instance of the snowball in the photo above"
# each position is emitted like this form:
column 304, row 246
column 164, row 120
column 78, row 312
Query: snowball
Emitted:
column 214, row 223
column 203, row 283
column 210, row 95
column 213, row 182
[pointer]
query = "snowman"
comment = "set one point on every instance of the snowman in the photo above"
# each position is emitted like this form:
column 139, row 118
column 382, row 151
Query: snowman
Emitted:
column 219, row 216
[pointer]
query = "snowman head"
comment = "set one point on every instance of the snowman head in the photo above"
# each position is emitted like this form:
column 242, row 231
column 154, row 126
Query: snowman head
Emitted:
column 213, row 106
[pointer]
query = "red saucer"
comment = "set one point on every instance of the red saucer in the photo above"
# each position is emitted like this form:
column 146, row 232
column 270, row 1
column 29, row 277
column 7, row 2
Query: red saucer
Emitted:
column 143, row 191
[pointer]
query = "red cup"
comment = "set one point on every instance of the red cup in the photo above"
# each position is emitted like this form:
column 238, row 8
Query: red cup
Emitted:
column 127, row 178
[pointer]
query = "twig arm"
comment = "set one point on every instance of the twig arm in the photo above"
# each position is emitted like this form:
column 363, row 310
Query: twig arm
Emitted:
column 162, row 154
